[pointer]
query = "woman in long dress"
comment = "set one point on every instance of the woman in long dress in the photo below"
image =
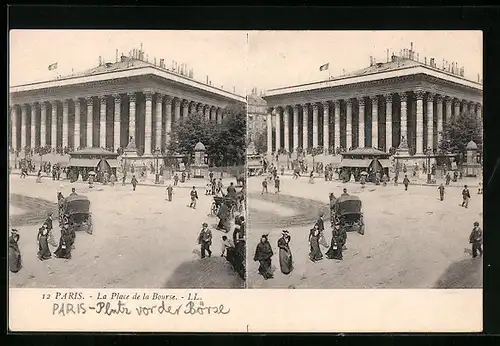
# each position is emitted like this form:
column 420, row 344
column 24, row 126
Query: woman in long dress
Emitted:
column 15, row 264
column 43, row 244
column 65, row 244
column 315, row 253
column 338, row 242
column 263, row 254
column 286, row 263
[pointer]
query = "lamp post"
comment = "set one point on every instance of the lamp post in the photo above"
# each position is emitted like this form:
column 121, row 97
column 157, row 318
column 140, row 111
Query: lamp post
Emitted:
column 157, row 154
column 429, row 173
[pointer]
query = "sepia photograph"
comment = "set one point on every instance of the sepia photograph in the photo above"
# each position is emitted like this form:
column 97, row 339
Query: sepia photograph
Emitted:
column 365, row 159
column 127, row 159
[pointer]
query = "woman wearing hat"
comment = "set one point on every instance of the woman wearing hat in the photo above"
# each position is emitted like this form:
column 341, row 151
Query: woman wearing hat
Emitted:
column 315, row 253
column 14, row 252
column 285, row 255
column 43, row 245
column 263, row 254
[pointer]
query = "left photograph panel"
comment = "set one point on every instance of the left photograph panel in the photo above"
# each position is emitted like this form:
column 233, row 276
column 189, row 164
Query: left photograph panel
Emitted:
column 127, row 159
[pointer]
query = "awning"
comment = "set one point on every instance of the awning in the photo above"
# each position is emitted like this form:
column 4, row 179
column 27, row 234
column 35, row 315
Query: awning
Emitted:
column 83, row 163
column 113, row 163
column 386, row 163
column 355, row 163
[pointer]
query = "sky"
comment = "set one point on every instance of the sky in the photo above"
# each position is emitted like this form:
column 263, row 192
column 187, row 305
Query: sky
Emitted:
column 261, row 59
column 219, row 54
column 284, row 58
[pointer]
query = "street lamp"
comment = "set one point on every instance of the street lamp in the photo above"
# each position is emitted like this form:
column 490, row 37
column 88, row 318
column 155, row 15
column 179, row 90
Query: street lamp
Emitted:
column 429, row 173
column 157, row 154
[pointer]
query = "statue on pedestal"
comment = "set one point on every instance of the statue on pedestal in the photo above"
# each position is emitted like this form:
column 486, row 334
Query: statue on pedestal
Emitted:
column 404, row 143
column 131, row 143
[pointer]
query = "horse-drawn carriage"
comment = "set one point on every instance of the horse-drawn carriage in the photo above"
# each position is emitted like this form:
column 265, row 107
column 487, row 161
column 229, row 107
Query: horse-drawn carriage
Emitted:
column 76, row 208
column 346, row 212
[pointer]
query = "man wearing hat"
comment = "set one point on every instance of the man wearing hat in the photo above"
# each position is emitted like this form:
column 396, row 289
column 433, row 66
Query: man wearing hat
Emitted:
column 476, row 239
column 344, row 193
column 205, row 240
column 194, row 198
column 465, row 197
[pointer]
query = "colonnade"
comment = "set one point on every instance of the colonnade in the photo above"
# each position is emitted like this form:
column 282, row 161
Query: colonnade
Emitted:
column 378, row 121
column 105, row 121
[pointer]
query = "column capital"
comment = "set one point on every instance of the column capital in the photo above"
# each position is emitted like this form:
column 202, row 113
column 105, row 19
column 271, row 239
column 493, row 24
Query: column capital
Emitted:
column 76, row 100
column 65, row 103
column 305, row 106
column 315, row 107
column 132, row 97
column 373, row 98
column 403, row 96
column 388, row 97
column 448, row 101
column 43, row 105
column 199, row 107
column 89, row 100
column 185, row 103
column 177, row 102
column 168, row 100
column 348, row 102
column 430, row 96
column 361, row 101
column 52, row 103
column 336, row 103
column 478, row 104
column 33, row 104
column 117, row 98
column 148, row 95
column 102, row 99
column 419, row 94
column 439, row 98
column 325, row 104
column 159, row 98
column 296, row 108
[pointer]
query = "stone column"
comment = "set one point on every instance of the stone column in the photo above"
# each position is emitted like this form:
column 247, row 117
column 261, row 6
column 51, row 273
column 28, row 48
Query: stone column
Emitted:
column 177, row 110
column 278, row 128
column 361, row 122
column 13, row 112
column 479, row 111
column 65, row 130
column 337, row 123
column 185, row 110
column 388, row 122
column 348, row 132
column 148, row 122
column 315, row 125
column 207, row 112
column 131, row 116
column 53, row 125
column 286, row 133
column 457, row 108
column 269, row 120
column 448, row 109
column 374, row 101
column 168, row 119
column 219, row 116
column 158, row 116
column 439, row 101
column 305, row 124
column 213, row 114
column 404, row 119
column 24, row 134
column 43, row 124
column 102, row 121
column 33, row 125
column 117, row 121
column 326, row 126
column 90, row 120
column 76, row 141
column 419, row 131
column 295, row 127
column 430, row 121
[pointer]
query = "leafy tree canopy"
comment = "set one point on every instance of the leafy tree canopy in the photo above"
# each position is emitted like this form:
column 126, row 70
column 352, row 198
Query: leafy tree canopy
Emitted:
column 459, row 131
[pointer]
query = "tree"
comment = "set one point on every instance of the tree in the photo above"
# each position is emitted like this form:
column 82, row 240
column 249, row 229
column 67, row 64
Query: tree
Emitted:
column 261, row 142
column 459, row 131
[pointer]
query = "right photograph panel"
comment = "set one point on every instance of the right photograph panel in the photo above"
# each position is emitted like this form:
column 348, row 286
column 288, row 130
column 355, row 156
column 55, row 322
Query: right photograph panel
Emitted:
column 364, row 159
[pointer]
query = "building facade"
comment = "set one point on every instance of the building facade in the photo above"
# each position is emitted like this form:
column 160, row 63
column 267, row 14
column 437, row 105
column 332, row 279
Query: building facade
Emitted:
column 256, row 116
column 374, row 107
column 107, row 105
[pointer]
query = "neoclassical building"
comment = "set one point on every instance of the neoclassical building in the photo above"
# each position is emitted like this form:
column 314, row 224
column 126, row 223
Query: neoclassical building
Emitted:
column 373, row 107
column 106, row 105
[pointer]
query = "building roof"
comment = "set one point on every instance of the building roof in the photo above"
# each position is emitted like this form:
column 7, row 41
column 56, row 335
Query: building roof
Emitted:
column 255, row 100
column 93, row 151
column 386, row 70
column 109, row 67
column 367, row 151
column 471, row 146
column 199, row 147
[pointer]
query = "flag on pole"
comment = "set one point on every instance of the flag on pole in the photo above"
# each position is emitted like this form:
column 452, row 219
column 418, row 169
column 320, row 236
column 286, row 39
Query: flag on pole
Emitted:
column 53, row 66
column 324, row 67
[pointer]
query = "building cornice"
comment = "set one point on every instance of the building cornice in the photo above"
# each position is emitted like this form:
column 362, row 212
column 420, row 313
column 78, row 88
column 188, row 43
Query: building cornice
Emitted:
column 126, row 73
